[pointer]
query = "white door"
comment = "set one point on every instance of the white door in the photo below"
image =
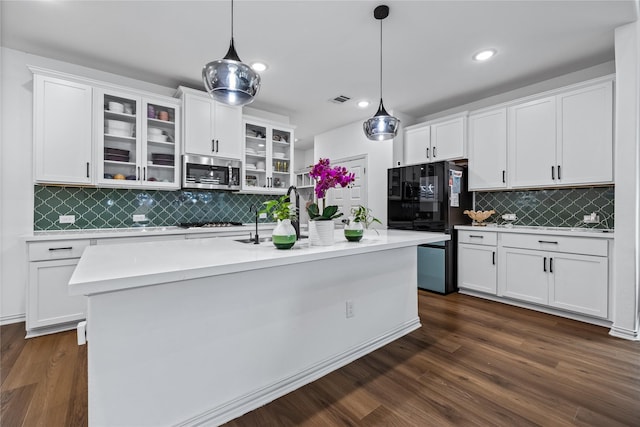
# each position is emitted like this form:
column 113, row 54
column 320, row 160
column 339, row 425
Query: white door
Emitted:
column 198, row 125
column 62, row 131
column 228, row 131
column 579, row 283
column 349, row 197
column 532, row 141
column 585, row 135
column 448, row 139
column 524, row 275
column 417, row 145
column 477, row 268
column 488, row 150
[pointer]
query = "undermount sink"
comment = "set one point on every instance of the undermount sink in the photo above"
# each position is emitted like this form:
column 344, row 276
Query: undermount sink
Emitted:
column 262, row 239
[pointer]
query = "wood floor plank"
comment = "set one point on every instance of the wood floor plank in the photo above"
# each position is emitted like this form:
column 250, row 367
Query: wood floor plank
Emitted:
column 472, row 363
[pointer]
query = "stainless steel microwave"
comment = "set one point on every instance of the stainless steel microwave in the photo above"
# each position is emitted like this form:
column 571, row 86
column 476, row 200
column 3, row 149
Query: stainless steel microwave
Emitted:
column 210, row 173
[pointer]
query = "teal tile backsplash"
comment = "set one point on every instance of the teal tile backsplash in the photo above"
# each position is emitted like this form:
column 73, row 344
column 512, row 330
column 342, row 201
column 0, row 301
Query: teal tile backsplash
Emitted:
column 551, row 208
column 114, row 208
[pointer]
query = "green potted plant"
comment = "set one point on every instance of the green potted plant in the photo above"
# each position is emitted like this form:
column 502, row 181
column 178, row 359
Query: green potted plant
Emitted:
column 284, row 235
column 321, row 225
column 360, row 219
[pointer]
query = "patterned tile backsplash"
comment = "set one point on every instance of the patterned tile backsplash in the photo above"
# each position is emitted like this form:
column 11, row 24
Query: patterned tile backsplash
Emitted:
column 114, row 208
column 551, row 208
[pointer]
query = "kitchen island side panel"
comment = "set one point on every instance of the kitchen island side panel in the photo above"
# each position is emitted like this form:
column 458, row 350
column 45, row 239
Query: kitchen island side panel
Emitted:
column 208, row 350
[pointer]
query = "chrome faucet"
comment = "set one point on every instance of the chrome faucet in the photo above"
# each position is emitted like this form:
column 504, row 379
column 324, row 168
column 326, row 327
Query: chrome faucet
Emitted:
column 295, row 222
column 255, row 208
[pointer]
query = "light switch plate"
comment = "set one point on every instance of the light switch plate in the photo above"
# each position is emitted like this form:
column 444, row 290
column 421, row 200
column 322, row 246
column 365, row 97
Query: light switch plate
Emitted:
column 67, row 219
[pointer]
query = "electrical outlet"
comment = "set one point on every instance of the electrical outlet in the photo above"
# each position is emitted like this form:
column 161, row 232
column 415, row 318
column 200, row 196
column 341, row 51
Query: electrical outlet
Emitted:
column 593, row 218
column 67, row 219
column 139, row 218
column 509, row 217
column 262, row 215
column 349, row 309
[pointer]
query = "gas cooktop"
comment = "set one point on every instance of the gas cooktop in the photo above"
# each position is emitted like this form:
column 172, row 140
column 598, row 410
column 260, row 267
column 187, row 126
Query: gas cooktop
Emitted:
column 209, row 224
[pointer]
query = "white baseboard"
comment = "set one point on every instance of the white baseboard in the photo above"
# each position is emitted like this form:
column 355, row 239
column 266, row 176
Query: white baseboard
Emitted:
column 567, row 314
column 12, row 318
column 261, row 397
column 624, row 333
column 51, row 329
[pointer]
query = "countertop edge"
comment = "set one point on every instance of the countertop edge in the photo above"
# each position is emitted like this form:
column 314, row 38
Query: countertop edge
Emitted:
column 559, row 231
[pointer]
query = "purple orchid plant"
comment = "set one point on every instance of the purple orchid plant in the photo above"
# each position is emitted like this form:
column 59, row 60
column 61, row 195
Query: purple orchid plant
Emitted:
column 327, row 177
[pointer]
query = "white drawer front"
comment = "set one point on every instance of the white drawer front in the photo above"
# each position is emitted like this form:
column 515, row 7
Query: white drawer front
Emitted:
column 489, row 238
column 60, row 249
column 549, row 242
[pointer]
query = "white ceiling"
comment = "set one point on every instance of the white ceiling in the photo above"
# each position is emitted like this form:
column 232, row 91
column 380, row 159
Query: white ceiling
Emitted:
column 317, row 50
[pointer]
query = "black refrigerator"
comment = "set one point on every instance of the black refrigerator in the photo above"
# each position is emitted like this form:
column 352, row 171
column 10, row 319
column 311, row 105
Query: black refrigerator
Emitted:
column 430, row 197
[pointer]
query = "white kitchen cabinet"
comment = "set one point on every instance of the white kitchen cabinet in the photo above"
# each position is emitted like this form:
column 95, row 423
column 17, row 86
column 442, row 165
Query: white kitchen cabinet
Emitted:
column 417, row 144
column 488, row 150
column 137, row 147
column 268, row 156
column 564, row 139
column 449, row 138
column 567, row 273
column 532, row 143
column 49, row 306
column 62, row 130
column 477, row 266
column 444, row 139
column 210, row 128
column 585, row 135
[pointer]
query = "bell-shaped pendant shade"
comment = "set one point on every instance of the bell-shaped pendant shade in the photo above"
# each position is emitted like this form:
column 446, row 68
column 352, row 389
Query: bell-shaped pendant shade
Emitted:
column 382, row 126
column 230, row 81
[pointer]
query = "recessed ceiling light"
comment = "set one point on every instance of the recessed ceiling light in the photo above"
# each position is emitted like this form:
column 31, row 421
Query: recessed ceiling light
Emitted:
column 363, row 104
column 484, row 55
column 259, row 66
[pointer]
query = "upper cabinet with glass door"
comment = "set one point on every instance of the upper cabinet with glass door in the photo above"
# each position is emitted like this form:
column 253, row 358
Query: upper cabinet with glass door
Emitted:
column 136, row 141
column 268, row 157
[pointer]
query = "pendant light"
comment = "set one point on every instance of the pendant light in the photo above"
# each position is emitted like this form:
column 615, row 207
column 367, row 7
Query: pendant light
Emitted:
column 230, row 81
column 381, row 126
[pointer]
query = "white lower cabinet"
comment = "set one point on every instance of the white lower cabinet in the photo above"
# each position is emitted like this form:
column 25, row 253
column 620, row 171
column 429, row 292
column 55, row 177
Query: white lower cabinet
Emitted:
column 50, row 308
column 576, row 282
column 477, row 262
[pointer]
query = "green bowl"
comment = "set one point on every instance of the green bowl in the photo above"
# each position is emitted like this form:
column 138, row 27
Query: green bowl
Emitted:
column 353, row 235
column 284, row 242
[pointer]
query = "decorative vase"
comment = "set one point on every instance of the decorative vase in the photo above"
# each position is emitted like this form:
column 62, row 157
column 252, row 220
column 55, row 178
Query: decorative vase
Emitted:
column 284, row 235
column 321, row 233
column 353, row 231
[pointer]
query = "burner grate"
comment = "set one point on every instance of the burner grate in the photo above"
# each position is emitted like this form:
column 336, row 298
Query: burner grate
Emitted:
column 209, row 224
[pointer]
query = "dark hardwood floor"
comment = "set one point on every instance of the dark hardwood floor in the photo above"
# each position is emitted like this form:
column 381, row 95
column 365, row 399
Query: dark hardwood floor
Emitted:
column 473, row 363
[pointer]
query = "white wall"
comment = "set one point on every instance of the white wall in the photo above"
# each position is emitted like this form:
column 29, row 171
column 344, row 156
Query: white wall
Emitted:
column 16, row 176
column 350, row 141
column 303, row 159
column 627, row 177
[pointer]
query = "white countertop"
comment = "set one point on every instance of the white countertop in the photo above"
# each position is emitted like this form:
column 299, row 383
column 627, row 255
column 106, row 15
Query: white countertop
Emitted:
column 117, row 267
column 98, row 233
column 558, row 231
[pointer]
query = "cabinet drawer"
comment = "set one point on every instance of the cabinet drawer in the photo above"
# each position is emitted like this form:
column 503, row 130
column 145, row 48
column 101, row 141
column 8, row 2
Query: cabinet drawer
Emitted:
column 60, row 249
column 489, row 238
column 549, row 242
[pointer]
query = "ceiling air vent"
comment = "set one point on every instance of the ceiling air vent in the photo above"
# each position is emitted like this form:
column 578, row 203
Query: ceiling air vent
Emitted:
column 340, row 99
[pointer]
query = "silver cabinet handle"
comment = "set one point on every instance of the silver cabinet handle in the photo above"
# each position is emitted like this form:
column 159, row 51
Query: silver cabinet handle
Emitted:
column 66, row 248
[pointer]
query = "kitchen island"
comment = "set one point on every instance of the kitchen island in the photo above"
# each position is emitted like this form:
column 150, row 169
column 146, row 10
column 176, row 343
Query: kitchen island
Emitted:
column 198, row 332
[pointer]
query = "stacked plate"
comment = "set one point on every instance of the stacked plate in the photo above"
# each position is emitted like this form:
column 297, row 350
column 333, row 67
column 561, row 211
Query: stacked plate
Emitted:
column 262, row 153
column 250, row 166
column 163, row 159
column 118, row 128
column 278, row 155
column 116, row 155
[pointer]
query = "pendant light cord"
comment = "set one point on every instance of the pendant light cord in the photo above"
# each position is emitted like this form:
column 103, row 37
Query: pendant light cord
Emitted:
column 381, row 59
column 231, row 19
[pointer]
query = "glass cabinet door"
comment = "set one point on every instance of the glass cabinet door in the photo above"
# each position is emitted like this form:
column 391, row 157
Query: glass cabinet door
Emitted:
column 255, row 159
column 280, row 158
column 160, row 159
column 118, row 148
